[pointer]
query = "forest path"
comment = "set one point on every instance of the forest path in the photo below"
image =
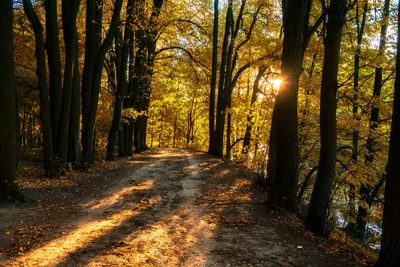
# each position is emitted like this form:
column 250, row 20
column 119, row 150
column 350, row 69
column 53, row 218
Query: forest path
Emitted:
column 167, row 207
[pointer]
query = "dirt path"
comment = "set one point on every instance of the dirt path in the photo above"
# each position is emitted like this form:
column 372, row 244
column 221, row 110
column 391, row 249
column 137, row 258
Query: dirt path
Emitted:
column 168, row 207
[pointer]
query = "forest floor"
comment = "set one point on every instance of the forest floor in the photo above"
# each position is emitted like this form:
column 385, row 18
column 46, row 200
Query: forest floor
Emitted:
column 166, row 207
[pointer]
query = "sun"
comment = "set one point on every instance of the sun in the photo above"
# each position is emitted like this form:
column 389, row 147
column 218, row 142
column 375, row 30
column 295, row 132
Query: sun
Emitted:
column 276, row 83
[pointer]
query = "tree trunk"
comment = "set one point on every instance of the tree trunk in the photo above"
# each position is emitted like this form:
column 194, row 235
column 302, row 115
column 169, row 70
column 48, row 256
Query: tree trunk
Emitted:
column 54, row 64
column 228, row 129
column 389, row 255
column 129, row 128
column 144, row 62
column 316, row 219
column 308, row 31
column 143, row 133
column 213, row 78
column 121, row 87
column 139, row 78
column 220, row 114
column 229, row 83
column 121, row 141
column 44, row 91
column 94, row 25
column 88, row 147
column 90, row 56
column 284, row 132
column 8, row 105
column 74, row 147
column 70, row 12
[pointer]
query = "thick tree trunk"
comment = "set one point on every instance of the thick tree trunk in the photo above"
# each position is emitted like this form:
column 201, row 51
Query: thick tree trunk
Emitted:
column 138, row 95
column 316, row 219
column 138, row 80
column 271, row 159
column 129, row 128
column 143, row 133
column 74, row 147
column 229, row 129
column 220, row 114
column 54, row 64
column 88, row 147
column 8, row 105
column 213, row 78
column 90, row 56
column 44, row 91
column 94, row 25
column 144, row 62
column 121, row 141
column 121, row 88
column 284, row 132
column 70, row 12
column 308, row 31
column 389, row 255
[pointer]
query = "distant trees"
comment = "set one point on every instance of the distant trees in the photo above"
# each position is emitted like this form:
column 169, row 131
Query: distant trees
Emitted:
column 9, row 135
column 62, row 97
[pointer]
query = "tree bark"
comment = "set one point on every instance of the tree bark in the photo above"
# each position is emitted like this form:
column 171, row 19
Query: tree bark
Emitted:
column 138, row 79
column 121, row 87
column 144, row 62
column 389, row 255
column 213, row 78
column 316, row 219
column 228, row 128
column 74, row 147
column 70, row 12
column 8, row 105
column 90, row 56
column 220, row 114
column 54, row 64
column 129, row 128
column 37, row 27
column 285, row 128
column 88, row 147
column 308, row 31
